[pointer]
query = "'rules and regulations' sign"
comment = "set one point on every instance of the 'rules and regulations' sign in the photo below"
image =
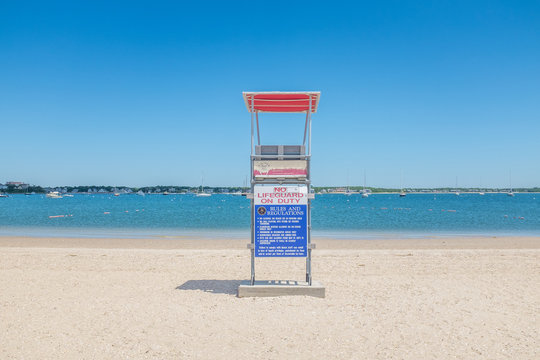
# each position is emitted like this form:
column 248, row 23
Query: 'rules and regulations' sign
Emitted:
column 280, row 220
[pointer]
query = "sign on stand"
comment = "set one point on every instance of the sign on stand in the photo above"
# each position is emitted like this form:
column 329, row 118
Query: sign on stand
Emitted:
column 281, row 220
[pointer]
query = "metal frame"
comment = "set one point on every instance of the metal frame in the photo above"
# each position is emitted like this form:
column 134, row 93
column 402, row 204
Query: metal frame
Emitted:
column 250, row 99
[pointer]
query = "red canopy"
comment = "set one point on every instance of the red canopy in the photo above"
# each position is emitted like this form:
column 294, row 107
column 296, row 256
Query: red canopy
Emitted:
column 282, row 102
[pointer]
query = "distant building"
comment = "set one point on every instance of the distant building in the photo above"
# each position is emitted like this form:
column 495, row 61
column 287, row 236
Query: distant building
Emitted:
column 17, row 184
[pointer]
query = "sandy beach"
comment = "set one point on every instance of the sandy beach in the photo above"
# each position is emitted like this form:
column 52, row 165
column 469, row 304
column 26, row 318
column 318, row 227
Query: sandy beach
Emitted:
column 175, row 298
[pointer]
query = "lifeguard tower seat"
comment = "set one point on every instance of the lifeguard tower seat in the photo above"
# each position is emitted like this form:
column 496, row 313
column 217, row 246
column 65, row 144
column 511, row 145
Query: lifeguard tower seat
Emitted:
column 280, row 152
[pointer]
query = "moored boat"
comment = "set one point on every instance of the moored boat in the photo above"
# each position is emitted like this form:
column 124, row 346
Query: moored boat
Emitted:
column 202, row 193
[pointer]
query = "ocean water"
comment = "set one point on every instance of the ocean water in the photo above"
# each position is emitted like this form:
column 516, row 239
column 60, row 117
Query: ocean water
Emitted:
column 379, row 216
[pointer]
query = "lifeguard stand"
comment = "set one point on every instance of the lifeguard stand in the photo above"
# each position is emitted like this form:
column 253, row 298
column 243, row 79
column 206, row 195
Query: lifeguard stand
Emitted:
column 280, row 194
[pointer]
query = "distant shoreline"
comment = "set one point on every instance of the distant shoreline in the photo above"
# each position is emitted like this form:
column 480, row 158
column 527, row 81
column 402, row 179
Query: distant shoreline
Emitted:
column 7, row 194
column 428, row 192
column 231, row 190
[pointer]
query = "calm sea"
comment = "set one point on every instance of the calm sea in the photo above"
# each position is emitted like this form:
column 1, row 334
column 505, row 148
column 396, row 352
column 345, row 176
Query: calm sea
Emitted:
column 379, row 216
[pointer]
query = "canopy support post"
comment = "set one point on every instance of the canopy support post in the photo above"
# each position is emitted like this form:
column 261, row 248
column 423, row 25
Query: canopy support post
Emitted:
column 306, row 126
column 308, row 258
column 258, row 133
column 252, row 191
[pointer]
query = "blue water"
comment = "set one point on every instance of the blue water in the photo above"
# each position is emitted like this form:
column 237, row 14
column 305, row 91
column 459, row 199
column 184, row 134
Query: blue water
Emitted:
column 380, row 215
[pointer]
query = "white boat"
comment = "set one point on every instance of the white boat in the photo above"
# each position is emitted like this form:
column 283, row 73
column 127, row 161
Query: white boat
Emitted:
column 402, row 193
column 364, row 191
column 54, row 195
column 481, row 193
column 140, row 193
column 202, row 193
column 348, row 191
column 510, row 193
column 4, row 195
column 116, row 194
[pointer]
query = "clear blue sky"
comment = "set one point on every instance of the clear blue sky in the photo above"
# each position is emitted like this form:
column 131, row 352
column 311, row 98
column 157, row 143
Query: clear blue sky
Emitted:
column 146, row 93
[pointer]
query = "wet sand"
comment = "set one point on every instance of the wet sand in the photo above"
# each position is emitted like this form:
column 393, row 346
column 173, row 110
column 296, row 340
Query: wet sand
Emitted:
column 179, row 242
column 175, row 298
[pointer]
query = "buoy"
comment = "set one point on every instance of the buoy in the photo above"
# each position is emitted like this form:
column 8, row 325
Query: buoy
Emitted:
column 106, row 212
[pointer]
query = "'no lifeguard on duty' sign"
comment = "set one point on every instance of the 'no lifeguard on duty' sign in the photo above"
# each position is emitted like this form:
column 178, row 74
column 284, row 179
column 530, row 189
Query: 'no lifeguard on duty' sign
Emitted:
column 280, row 220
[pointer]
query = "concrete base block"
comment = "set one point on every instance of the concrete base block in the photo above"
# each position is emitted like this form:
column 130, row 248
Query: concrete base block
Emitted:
column 280, row 288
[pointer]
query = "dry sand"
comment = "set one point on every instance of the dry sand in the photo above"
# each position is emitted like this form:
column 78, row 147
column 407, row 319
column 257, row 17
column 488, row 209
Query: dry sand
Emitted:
column 475, row 298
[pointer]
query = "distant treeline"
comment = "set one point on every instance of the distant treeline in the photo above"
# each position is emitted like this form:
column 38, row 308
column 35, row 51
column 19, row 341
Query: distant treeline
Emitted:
column 419, row 190
column 14, row 189
column 17, row 189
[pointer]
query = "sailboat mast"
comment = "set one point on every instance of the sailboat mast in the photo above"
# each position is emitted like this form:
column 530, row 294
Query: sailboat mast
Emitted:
column 401, row 193
column 364, row 191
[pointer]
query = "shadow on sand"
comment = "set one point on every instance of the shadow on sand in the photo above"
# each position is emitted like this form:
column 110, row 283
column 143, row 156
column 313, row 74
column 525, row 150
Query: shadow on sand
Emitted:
column 229, row 287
